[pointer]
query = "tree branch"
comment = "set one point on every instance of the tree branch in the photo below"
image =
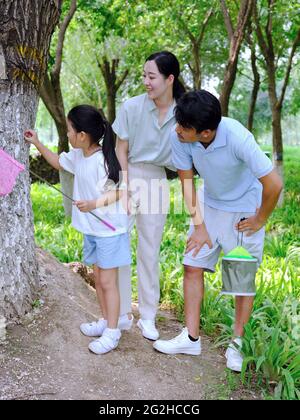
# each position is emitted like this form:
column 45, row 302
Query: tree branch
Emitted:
column 269, row 26
column 121, row 80
column 260, row 35
column 183, row 24
column 296, row 44
column 204, row 25
column 58, row 4
column 62, row 32
column 46, row 92
column 190, row 67
column 115, row 65
column 227, row 19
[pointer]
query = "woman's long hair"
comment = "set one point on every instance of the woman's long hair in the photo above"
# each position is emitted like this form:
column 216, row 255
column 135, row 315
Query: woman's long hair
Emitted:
column 168, row 64
column 88, row 119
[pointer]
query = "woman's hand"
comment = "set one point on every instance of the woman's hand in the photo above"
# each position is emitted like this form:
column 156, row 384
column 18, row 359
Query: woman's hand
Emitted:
column 31, row 137
column 85, row 206
column 198, row 239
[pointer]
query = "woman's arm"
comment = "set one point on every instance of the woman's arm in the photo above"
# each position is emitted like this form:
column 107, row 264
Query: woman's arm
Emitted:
column 51, row 157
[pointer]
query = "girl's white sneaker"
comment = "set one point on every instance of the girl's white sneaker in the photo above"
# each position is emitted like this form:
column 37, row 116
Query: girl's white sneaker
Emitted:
column 109, row 341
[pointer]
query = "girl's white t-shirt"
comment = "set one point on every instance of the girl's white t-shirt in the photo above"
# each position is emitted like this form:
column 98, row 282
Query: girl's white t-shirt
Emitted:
column 90, row 182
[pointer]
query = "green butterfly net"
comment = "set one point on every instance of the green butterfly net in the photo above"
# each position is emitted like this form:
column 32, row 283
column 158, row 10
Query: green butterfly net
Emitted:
column 238, row 273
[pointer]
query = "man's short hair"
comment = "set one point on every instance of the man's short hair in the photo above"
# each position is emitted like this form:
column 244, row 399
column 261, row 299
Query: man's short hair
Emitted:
column 198, row 109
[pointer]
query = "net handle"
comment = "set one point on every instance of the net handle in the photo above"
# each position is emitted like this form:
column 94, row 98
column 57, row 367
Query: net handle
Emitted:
column 242, row 233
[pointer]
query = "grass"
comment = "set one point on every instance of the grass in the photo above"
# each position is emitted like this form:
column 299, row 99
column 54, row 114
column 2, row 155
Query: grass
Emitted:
column 272, row 341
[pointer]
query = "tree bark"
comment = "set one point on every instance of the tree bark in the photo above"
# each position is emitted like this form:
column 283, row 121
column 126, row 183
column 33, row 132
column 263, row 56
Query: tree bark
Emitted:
column 26, row 30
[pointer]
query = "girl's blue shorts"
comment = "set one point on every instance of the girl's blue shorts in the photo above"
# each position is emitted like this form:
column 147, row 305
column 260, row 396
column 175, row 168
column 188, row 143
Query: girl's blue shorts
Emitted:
column 107, row 252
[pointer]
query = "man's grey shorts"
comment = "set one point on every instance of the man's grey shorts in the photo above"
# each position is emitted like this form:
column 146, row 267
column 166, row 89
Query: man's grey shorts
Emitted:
column 224, row 236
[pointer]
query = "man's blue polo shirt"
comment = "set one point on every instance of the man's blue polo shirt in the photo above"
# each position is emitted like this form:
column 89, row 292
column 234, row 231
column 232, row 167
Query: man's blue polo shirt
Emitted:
column 230, row 167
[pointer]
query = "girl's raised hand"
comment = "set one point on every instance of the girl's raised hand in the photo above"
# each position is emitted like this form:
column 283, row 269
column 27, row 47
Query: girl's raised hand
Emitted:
column 31, row 137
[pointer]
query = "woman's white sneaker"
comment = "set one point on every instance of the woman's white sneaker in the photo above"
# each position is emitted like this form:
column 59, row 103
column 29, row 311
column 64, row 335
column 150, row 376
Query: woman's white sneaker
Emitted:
column 125, row 324
column 234, row 356
column 93, row 329
column 109, row 341
column 179, row 345
column 148, row 329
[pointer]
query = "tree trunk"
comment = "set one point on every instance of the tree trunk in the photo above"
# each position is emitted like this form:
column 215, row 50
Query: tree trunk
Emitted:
column 228, row 82
column 278, row 146
column 26, row 30
column 62, row 130
column 111, row 104
column 276, row 126
column 255, row 89
column 197, row 76
column 277, row 136
column 112, row 84
column 110, row 79
column 276, row 114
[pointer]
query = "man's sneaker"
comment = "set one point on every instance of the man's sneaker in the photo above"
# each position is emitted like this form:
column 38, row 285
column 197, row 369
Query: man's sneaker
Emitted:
column 180, row 344
column 109, row 341
column 148, row 329
column 124, row 323
column 234, row 356
column 93, row 329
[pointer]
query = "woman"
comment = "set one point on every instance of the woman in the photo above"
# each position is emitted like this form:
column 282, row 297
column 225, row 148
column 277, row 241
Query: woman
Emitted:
column 143, row 126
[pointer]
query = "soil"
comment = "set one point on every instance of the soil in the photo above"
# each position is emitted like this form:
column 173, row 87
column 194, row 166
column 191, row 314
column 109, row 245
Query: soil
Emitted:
column 45, row 357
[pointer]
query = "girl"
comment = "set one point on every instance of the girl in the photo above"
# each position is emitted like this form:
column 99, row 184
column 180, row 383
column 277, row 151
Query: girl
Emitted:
column 94, row 164
column 143, row 126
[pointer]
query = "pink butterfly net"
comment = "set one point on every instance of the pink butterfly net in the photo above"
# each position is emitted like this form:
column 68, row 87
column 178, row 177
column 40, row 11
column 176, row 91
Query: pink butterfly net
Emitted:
column 9, row 170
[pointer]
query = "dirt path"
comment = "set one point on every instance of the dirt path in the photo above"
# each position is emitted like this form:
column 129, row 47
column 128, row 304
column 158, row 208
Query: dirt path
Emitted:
column 46, row 356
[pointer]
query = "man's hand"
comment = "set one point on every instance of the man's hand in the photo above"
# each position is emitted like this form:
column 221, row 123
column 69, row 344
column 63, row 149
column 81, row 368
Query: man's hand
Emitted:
column 250, row 225
column 198, row 239
column 85, row 206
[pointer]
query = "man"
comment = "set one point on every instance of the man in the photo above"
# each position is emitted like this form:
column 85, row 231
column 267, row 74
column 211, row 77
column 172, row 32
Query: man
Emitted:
column 241, row 189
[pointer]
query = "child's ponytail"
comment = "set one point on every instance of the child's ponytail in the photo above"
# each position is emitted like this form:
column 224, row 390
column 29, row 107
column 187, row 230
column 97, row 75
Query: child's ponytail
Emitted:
column 112, row 164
